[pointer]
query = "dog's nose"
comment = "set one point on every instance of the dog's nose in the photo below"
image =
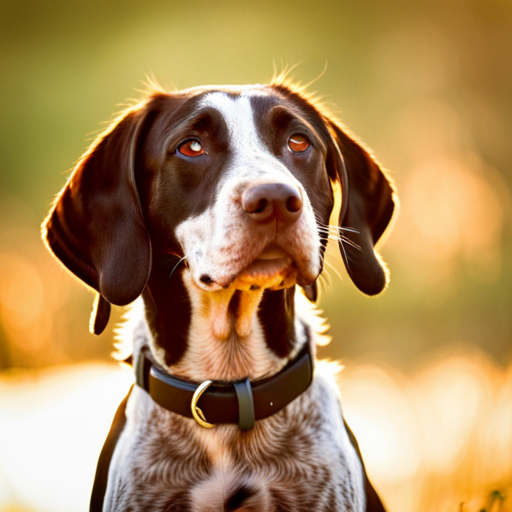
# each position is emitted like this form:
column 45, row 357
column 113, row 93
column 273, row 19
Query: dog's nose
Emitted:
column 268, row 201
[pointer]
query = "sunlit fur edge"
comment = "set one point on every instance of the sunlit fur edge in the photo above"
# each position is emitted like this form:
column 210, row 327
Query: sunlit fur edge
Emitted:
column 92, row 147
column 310, row 314
column 285, row 81
column 124, row 330
column 153, row 90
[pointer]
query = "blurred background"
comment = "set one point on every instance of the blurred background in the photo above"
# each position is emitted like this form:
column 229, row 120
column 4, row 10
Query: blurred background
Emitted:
column 427, row 384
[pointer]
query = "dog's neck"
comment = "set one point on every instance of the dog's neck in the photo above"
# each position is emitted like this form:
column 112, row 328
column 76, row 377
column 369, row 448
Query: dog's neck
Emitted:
column 223, row 335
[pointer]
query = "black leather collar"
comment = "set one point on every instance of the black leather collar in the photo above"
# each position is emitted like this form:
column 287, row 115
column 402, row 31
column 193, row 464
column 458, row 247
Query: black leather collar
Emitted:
column 242, row 402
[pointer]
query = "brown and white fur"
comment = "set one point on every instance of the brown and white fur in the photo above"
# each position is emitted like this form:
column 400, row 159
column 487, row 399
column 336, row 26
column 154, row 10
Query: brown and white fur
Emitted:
column 207, row 207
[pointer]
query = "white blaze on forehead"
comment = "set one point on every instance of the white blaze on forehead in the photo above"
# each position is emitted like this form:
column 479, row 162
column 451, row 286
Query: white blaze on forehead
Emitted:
column 251, row 158
column 239, row 117
column 223, row 240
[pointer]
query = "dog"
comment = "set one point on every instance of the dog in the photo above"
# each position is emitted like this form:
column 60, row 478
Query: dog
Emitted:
column 209, row 209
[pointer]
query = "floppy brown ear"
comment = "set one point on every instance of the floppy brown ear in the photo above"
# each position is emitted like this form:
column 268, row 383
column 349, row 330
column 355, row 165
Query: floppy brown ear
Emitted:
column 96, row 228
column 368, row 204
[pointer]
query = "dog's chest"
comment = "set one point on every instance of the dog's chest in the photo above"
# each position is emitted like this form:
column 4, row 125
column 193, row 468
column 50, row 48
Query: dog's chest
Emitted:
column 298, row 459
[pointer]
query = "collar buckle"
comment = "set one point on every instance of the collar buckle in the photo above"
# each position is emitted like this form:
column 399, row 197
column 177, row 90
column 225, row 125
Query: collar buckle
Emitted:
column 246, row 416
column 241, row 402
column 197, row 413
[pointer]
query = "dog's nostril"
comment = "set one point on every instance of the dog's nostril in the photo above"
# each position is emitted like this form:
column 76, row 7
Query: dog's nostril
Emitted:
column 206, row 279
column 260, row 206
column 272, row 201
column 293, row 204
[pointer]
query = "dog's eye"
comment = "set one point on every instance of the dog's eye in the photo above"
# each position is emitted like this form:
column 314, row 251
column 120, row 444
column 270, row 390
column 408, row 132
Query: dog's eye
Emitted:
column 298, row 143
column 191, row 148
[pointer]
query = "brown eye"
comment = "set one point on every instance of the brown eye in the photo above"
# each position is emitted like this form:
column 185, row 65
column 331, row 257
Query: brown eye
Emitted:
column 191, row 148
column 298, row 143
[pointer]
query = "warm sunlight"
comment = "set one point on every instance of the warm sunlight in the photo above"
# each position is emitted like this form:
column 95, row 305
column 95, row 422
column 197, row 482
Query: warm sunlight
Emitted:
column 437, row 438
column 52, row 426
column 442, row 434
column 426, row 384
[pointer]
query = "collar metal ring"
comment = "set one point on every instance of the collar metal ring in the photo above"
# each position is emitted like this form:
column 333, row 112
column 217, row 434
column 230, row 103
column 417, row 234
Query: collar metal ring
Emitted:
column 197, row 413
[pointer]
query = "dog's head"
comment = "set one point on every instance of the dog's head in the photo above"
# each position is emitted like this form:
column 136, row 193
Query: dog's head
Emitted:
column 235, row 180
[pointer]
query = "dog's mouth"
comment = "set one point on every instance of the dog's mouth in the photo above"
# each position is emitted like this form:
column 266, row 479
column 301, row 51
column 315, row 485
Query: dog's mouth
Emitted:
column 273, row 268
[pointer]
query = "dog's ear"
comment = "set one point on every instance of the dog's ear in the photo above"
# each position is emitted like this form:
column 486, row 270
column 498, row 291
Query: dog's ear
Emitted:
column 96, row 227
column 368, row 203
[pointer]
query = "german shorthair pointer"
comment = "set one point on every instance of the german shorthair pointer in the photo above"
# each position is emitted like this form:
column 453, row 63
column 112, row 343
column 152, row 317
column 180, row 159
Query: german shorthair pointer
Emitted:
column 209, row 207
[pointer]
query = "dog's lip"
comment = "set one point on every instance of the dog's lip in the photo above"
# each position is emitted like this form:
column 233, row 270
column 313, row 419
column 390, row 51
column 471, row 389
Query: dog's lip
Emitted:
column 273, row 260
column 272, row 273
column 262, row 267
column 272, row 252
column 272, row 267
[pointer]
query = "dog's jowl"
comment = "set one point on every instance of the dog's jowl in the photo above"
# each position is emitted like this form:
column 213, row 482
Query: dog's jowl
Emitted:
column 208, row 209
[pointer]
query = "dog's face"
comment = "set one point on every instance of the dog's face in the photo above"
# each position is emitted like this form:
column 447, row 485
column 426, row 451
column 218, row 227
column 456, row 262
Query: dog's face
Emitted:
column 233, row 184
column 235, row 180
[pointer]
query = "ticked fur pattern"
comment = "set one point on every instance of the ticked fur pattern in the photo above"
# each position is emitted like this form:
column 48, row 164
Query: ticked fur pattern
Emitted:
column 299, row 459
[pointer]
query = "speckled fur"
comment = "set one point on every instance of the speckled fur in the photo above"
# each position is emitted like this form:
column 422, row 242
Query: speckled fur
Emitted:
column 300, row 459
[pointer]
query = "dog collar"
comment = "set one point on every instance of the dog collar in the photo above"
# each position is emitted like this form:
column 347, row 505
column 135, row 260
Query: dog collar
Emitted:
column 211, row 402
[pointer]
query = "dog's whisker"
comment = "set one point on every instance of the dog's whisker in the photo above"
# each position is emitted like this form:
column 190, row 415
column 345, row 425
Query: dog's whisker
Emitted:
column 334, row 269
column 345, row 257
column 344, row 240
column 326, row 276
column 323, row 282
column 176, row 266
column 329, row 228
column 342, row 228
column 351, row 230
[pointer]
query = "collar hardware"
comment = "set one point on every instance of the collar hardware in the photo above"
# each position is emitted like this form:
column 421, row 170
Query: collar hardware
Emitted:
column 246, row 417
column 214, row 402
column 196, row 412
